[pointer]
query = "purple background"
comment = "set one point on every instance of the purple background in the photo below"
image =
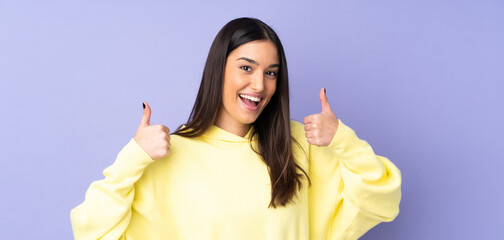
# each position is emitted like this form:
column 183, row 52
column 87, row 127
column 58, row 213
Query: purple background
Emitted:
column 421, row 81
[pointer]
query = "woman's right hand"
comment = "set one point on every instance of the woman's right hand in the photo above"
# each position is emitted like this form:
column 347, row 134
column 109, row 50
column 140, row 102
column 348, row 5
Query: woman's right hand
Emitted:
column 155, row 140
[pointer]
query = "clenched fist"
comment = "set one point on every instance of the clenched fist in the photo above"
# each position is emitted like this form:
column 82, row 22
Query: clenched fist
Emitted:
column 155, row 139
column 320, row 128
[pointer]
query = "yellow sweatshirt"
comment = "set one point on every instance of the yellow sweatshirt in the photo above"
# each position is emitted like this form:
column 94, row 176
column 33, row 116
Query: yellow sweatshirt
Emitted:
column 215, row 187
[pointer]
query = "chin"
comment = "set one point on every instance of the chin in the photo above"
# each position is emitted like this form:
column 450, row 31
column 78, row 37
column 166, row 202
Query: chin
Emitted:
column 249, row 119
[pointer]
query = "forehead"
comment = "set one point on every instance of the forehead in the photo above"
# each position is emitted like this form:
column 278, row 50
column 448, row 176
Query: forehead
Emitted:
column 259, row 50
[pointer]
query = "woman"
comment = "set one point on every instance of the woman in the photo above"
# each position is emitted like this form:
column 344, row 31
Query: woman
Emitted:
column 240, row 168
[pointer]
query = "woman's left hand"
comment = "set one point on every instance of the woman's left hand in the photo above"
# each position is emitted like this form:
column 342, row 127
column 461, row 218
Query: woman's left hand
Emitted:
column 320, row 128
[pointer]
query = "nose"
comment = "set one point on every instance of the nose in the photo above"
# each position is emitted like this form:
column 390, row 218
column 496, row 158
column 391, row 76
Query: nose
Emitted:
column 257, row 82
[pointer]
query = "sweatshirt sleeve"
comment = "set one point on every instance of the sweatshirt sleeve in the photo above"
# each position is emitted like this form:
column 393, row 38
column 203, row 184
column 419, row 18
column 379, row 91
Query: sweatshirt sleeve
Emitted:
column 106, row 210
column 352, row 188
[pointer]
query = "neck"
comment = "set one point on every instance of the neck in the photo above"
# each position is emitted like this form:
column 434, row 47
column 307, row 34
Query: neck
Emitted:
column 237, row 129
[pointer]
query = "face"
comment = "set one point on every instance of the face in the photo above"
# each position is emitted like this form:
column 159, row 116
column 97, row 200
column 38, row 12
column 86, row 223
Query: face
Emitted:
column 250, row 79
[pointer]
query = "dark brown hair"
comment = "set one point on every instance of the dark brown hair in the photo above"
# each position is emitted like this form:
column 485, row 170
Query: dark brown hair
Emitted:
column 272, row 127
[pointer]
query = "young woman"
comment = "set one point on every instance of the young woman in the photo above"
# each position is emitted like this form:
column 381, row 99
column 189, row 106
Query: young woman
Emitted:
column 240, row 168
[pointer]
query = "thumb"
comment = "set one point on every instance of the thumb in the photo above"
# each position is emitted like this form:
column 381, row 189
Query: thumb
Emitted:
column 323, row 101
column 146, row 115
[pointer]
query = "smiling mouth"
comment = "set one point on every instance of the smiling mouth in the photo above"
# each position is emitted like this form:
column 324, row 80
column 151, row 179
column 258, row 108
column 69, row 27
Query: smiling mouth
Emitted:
column 250, row 99
column 249, row 102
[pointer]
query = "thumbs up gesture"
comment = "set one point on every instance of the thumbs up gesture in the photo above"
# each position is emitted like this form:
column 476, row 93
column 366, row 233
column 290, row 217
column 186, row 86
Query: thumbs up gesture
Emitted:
column 320, row 128
column 155, row 139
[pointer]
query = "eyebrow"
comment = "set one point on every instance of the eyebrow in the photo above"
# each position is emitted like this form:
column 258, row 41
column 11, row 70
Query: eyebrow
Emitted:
column 256, row 63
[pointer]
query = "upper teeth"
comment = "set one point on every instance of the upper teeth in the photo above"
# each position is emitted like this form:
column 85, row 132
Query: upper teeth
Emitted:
column 255, row 99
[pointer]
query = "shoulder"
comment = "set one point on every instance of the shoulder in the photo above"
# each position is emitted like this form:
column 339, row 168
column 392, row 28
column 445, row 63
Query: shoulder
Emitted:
column 297, row 129
column 298, row 133
column 300, row 146
column 177, row 141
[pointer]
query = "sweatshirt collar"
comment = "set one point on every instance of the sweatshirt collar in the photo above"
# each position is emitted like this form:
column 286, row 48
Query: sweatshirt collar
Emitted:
column 218, row 133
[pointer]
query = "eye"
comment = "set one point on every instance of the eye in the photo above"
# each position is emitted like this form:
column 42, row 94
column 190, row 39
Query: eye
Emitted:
column 246, row 68
column 271, row 73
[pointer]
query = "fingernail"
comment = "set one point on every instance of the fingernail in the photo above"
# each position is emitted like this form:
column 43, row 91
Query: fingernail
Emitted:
column 143, row 105
column 325, row 91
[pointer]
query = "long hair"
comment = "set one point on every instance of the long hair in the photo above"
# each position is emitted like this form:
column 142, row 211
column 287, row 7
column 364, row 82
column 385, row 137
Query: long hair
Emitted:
column 272, row 127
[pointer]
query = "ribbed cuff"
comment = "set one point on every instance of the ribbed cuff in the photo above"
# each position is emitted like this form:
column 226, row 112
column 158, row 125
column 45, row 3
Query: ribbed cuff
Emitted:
column 344, row 136
column 131, row 160
column 133, row 150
